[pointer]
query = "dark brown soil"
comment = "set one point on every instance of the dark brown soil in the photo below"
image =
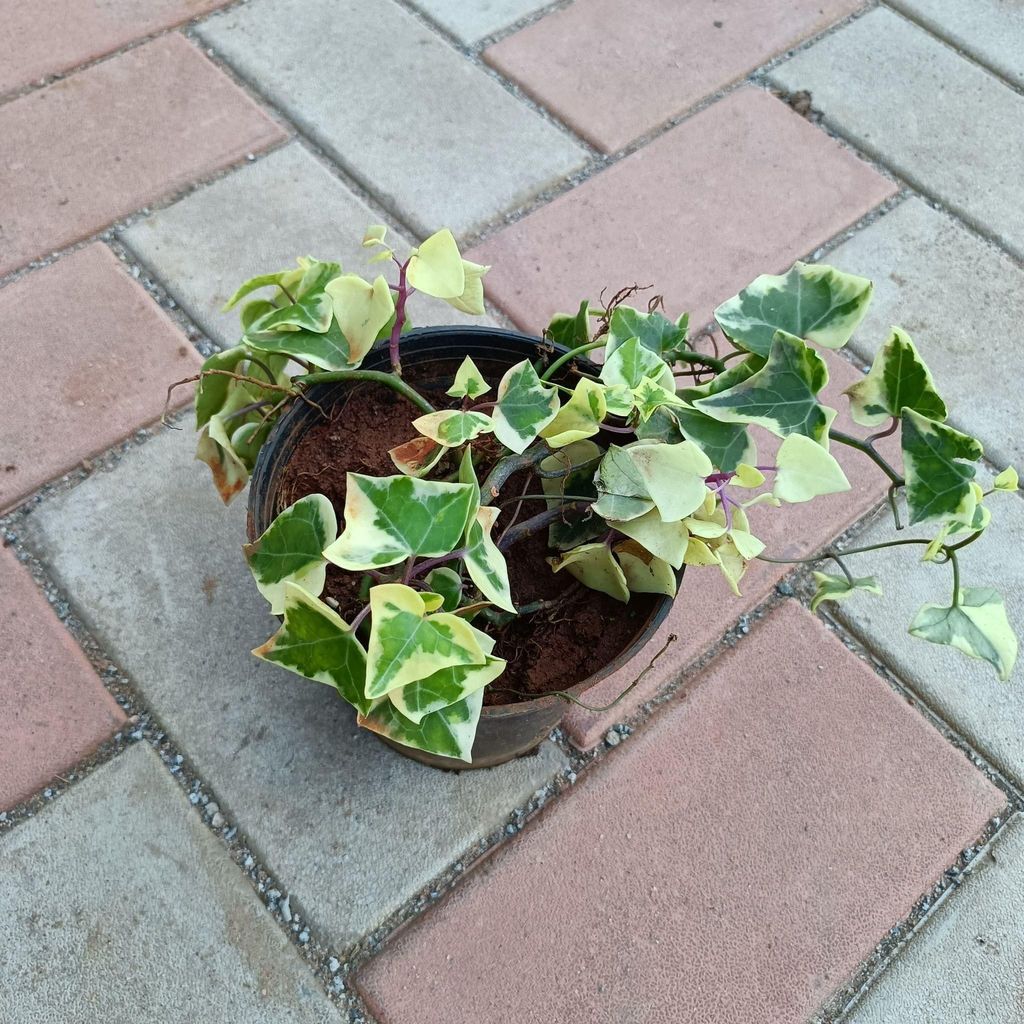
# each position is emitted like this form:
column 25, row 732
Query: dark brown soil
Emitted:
column 549, row 650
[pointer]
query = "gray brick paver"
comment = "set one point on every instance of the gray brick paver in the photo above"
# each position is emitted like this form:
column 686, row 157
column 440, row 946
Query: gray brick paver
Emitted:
column 471, row 21
column 257, row 219
column 949, row 127
column 962, row 301
column 154, row 563
column 117, row 904
column 432, row 134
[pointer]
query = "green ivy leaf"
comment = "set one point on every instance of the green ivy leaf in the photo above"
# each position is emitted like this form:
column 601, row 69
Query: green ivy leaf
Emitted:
column 449, row 732
column 645, row 573
column 291, row 549
column 813, row 302
column 406, row 644
column 571, row 330
column 288, row 279
column 650, row 396
column 725, row 444
column 782, row 396
column 805, row 470
column 389, row 518
column 839, row 588
column 737, row 373
column 580, row 460
column 977, row 625
column 469, row 381
column 447, row 583
column 452, row 428
column 328, row 351
column 484, row 562
column 898, row 380
column 316, row 643
column 630, row 363
column 938, row 484
column 653, row 331
column 525, row 407
column 594, row 566
column 578, row 418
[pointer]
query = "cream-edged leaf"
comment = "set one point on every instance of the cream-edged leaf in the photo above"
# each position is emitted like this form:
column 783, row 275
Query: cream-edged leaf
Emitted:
column 631, row 363
column 436, row 268
column 672, row 475
column 594, row 566
column 471, row 300
column 838, row 588
column 667, row 541
column 484, row 562
column 645, row 573
column 938, row 481
column 579, row 418
column 452, row 428
column 469, row 381
column 361, row 309
column 525, row 407
column 449, row 732
column 805, row 470
column 1007, row 480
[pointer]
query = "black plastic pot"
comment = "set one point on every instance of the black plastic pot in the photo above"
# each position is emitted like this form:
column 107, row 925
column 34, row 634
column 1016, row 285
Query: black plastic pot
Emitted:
column 508, row 730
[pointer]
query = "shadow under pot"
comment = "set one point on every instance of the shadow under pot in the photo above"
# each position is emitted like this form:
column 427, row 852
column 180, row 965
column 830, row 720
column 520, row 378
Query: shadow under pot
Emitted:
column 430, row 357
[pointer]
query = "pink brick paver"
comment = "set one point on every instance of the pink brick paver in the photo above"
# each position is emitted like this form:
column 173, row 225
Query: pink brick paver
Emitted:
column 613, row 71
column 105, row 141
column 94, row 356
column 742, row 188
column 47, row 37
column 706, row 607
column 732, row 863
column 53, row 708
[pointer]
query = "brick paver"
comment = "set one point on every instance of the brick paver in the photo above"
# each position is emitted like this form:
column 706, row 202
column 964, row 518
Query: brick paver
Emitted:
column 962, row 300
column 354, row 828
column 992, row 31
column 435, row 136
column 964, row 691
column 614, row 71
column 89, row 379
column 966, row 964
column 743, row 188
column 706, row 607
column 53, row 708
column 731, row 863
column 205, row 245
column 470, row 22
column 947, row 126
column 76, row 32
column 105, row 141
column 118, row 904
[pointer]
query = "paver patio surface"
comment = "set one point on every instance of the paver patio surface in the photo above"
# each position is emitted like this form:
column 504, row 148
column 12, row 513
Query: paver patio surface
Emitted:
column 730, row 849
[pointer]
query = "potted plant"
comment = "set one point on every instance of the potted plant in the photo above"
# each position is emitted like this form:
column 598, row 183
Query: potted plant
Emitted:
column 461, row 529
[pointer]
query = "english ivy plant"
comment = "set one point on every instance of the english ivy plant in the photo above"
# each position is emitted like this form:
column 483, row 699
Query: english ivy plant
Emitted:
column 647, row 467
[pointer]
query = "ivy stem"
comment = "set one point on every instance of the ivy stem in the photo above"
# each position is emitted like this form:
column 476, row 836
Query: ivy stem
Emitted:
column 556, row 474
column 509, row 465
column 528, row 527
column 618, row 430
column 432, row 563
column 869, row 450
column 377, row 376
column 568, row 356
column 358, row 620
column 546, row 497
column 396, row 330
column 888, row 432
column 699, row 359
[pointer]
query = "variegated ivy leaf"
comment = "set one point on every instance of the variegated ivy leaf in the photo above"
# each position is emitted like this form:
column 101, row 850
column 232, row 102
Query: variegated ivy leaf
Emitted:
column 621, row 489
column 361, row 309
column 672, row 475
column 1007, row 480
column 407, row 644
column 230, row 474
column 737, row 373
column 630, row 363
column 665, row 540
column 578, row 418
column 285, row 279
column 579, row 462
column 311, row 310
column 651, row 396
column 469, row 381
column 467, row 475
column 898, row 380
column 472, row 298
column 839, row 588
column 644, row 572
column 813, row 302
column 436, row 267
column 375, row 235
column 525, row 407
column 485, row 563
column 328, row 351
column 806, row 470
column 316, row 643
column 976, row 625
column 291, row 549
column 389, row 518
column 453, row 428
column 213, row 391
column 446, row 583
column 417, row 457
column 725, row 444
column 938, row 483
column 594, row 566
column 654, row 331
column 449, row 732
column 782, row 396
column 570, row 330
column 447, row 686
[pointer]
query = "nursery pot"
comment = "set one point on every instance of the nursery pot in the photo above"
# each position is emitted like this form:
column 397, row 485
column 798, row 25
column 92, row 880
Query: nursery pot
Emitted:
column 508, row 730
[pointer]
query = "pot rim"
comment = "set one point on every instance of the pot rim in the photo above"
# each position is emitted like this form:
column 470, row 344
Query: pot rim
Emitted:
column 553, row 349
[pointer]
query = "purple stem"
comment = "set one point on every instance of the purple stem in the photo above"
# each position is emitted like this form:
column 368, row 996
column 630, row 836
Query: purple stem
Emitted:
column 358, row 620
column 396, row 330
column 432, row 563
column 617, row 430
column 889, row 430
